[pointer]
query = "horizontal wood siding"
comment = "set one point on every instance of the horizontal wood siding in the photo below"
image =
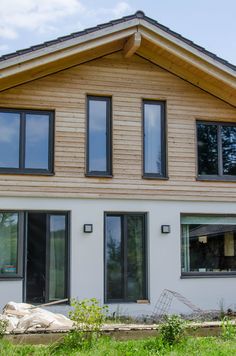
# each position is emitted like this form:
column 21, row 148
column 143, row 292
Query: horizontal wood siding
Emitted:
column 128, row 81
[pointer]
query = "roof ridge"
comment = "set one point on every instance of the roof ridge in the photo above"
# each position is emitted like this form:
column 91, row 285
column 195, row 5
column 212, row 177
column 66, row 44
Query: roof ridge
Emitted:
column 139, row 15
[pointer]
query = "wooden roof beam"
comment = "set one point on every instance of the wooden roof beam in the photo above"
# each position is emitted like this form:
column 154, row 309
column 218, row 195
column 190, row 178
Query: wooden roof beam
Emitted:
column 132, row 45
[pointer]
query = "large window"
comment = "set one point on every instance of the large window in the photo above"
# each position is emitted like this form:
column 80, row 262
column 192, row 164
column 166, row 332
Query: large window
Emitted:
column 125, row 257
column 154, row 150
column 99, row 136
column 26, row 141
column 208, row 244
column 216, row 150
column 10, row 245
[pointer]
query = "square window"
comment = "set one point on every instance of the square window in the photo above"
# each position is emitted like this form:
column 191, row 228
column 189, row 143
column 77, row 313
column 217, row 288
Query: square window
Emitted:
column 216, row 150
column 26, row 141
column 208, row 244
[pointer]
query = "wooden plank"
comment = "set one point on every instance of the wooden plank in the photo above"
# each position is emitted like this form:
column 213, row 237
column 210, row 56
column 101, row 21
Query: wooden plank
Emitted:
column 132, row 45
column 65, row 92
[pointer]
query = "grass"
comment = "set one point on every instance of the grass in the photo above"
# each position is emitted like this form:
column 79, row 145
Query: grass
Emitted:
column 208, row 346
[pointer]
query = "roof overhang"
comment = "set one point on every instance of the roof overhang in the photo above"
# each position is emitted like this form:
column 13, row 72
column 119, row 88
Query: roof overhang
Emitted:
column 136, row 35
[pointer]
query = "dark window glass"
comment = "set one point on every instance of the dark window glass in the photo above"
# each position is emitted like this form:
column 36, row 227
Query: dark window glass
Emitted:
column 216, row 149
column 9, row 140
column 57, row 264
column 229, row 149
column 47, row 257
column 26, row 141
column 8, row 244
column 125, row 257
column 208, row 244
column 135, row 258
column 114, row 257
column 37, row 141
column 207, row 149
column 99, row 135
column 154, row 136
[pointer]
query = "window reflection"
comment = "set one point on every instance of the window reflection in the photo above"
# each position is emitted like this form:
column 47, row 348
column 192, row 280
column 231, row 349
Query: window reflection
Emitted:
column 125, row 257
column 57, row 267
column 37, row 141
column 207, row 149
column 229, row 149
column 114, row 257
column 152, row 139
column 98, row 135
column 8, row 243
column 9, row 140
column 209, row 246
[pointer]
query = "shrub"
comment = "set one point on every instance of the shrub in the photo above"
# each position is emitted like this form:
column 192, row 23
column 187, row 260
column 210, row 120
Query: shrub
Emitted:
column 88, row 317
column 3, row 327
column 228, row 329
column 172, row 330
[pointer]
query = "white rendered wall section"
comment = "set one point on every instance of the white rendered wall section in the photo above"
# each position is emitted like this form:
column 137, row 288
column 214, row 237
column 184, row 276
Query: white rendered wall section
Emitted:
column 164, row 262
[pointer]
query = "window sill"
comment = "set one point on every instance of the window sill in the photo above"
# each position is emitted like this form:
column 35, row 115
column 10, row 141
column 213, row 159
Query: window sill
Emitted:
column 127, row 302
column 216, row 178
column 96, row 175
column 209, row 275
column 155, row 177
column 32, row 173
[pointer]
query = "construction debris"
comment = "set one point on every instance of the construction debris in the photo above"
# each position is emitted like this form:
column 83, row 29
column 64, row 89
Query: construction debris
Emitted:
column 164, row 302
column 22, row 317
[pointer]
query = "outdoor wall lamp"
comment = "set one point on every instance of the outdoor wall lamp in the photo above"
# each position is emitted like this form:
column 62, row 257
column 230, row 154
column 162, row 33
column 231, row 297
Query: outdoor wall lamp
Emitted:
column 165, row 229
column 88, row 228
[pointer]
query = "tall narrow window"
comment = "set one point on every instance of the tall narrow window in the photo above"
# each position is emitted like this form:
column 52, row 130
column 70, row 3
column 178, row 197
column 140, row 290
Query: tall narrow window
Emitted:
column 125, row 255
column 216, row 150
column 154, row 154
column 99, row 136
column 26, row 141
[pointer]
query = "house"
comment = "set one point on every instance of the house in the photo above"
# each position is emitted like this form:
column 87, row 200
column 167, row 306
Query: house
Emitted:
column 118, row 169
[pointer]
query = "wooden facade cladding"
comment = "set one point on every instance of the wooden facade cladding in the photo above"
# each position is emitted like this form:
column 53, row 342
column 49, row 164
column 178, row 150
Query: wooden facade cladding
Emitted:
column 127, row 81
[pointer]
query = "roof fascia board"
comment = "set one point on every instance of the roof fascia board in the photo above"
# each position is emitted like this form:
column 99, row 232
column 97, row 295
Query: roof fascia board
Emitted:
column 65, row 53
column 70, row 43
column 182, row 44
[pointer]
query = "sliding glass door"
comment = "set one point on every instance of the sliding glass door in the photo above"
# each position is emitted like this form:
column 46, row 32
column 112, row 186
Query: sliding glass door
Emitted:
column 125, row 257
column 47, row 264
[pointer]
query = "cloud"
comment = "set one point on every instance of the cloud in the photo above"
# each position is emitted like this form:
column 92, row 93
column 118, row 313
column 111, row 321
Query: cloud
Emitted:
column 119, row 9
column 42, row 16
column 4, row 48
column 27, row 22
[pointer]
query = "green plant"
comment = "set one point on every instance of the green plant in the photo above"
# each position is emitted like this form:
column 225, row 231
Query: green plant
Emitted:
column 88, row 317
column 172, row 330
column 222, row 308
column 228, row 329
column 3, row 327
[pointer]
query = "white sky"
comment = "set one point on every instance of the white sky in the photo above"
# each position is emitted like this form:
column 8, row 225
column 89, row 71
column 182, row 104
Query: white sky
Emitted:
column 209, row 23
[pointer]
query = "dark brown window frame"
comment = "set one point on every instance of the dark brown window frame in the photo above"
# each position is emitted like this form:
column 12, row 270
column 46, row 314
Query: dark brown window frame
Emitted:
column 163, row 175
column 22, row 143
column 220, row 176
column 108, row 172
column 145, row 254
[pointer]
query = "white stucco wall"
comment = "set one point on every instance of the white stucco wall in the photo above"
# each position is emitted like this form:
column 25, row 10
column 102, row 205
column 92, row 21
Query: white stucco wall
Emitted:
column 87, row 270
